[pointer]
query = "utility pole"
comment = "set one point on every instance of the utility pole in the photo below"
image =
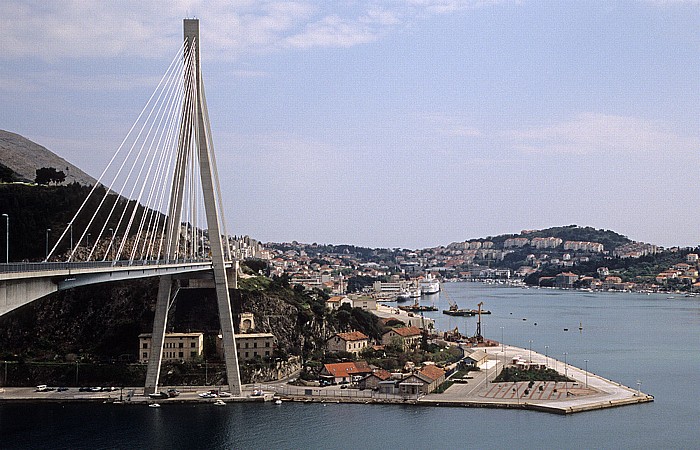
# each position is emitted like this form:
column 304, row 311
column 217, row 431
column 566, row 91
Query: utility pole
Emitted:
column 48, row 230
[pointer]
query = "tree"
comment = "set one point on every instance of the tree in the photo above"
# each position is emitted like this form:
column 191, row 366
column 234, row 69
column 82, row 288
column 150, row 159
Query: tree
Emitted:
column 7, row 175
column 47, row 175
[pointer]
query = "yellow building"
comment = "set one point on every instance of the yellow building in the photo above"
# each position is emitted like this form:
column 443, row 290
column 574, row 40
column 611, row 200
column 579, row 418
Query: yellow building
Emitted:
column 176, row 346
column 253, row 345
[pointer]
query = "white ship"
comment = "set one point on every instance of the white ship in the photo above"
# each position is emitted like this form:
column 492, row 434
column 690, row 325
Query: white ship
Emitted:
column 429, row 285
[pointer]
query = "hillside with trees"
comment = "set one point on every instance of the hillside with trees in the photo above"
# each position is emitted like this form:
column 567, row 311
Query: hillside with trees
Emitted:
column 23, row 157
column 33, row 210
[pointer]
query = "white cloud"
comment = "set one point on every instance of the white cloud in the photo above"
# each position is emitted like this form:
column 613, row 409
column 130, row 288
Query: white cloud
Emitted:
column 450, row 125
column 671, row 2
column 332, row 31
column 595, row 133
column 76, row 28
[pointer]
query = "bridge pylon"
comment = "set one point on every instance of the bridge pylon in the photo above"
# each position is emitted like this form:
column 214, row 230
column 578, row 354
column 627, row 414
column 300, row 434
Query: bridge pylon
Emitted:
column 195, row 129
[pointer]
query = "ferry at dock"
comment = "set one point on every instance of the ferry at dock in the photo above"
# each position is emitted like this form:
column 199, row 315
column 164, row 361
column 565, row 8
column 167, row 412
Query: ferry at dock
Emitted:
column 429, row 285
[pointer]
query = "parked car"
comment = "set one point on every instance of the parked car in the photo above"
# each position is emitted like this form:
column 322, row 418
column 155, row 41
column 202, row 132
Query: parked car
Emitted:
column 159, row 395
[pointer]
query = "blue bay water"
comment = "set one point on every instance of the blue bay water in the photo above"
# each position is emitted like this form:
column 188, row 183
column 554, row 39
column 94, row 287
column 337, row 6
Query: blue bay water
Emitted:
column 625, row 337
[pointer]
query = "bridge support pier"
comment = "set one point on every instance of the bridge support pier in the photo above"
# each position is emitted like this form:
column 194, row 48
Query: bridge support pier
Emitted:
column 195, row 124
column 158, row 336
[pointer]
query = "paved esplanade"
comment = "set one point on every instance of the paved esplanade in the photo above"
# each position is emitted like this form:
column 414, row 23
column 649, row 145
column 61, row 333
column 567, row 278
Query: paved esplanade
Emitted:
column 587, row 392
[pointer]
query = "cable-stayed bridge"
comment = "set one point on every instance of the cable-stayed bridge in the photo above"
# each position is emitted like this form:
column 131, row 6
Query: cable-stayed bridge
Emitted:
column 156, row 210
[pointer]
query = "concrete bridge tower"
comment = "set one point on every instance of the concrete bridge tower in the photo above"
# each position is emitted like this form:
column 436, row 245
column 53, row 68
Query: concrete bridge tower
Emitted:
column 195, row 127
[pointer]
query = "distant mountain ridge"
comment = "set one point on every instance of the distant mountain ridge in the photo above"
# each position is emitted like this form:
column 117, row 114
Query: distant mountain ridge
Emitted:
column 23, row 157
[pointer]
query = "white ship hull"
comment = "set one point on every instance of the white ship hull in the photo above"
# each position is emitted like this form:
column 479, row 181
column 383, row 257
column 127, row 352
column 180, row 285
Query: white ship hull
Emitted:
column 430, row 287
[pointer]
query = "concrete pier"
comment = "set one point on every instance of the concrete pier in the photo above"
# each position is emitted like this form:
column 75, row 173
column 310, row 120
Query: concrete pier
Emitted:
column 587, row 392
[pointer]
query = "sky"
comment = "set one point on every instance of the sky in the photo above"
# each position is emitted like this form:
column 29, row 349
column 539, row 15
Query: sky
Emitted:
column 402, row 123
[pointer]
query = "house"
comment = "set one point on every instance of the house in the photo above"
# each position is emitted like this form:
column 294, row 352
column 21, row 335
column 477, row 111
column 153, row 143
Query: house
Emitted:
column 334, row 303
column 565, row 280
column 475, row 358
column 253, row 345
column 372, row 380
column 406, row 337
column 365, row 302
column 610, row 282
column 423, row 381
column 353, row 342
column 176, row 346
column 345, row 372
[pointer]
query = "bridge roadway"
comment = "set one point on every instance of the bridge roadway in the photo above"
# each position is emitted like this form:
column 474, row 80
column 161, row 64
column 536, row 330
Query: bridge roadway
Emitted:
column 22, row 283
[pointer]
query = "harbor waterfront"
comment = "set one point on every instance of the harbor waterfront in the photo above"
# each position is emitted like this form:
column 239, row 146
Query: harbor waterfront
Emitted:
column 641, row 341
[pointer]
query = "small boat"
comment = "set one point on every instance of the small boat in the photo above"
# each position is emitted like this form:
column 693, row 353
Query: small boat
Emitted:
column 414, row 293
column 278, row 402
column 220, row 402
column 154, row 405
column 580, row 326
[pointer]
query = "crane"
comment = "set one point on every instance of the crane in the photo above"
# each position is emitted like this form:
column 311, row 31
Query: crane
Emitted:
column 478, row 335
column 453, row 305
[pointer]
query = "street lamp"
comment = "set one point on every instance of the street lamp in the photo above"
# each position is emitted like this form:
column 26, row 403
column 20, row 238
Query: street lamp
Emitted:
column 566, row 375
column 503, row 346
column 111, row 242
column 546, row 358
column 7, row 238
column 70, row 225
column 530, row 342
column 639, row 386
column 88, row 241
column 48, row 230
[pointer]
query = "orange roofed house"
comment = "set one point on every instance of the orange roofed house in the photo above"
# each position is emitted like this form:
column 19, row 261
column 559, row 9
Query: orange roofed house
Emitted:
column 423, row 381
column 407, row 337
column 353, row 342
column 345, row 372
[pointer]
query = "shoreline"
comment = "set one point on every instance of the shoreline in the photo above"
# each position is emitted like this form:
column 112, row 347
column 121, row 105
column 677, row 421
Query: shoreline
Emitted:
column 587, row 391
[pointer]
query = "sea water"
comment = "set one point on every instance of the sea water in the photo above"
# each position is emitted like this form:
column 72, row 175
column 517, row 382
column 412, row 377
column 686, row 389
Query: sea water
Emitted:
column 646, row 341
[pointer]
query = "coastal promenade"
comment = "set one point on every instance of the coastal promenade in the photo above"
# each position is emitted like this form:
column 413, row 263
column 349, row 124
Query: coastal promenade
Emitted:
column 586, row 392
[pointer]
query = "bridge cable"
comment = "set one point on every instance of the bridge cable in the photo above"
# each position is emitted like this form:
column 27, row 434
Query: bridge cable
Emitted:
column 99, row 180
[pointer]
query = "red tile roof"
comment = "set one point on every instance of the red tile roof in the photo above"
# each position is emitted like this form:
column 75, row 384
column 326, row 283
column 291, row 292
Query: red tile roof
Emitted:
column 382, row 374
column 347, row 368
column 432, row 372
column 407, row 331
column 352, row 336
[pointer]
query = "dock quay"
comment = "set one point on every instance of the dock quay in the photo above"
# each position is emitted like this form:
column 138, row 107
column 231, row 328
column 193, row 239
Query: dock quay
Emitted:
column 586, row 392
column 128, row 395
